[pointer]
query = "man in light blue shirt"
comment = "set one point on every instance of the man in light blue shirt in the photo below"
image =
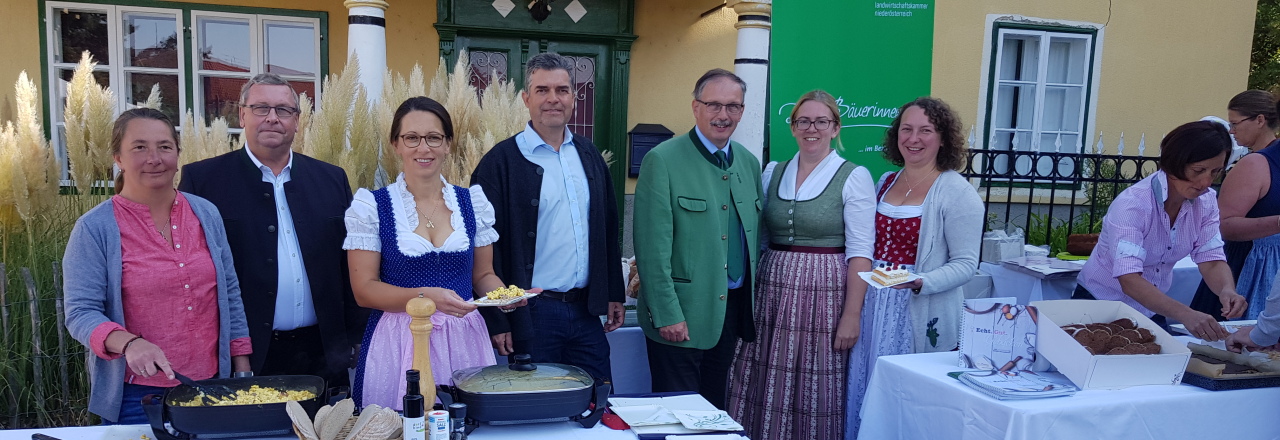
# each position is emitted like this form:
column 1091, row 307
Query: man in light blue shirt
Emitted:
column 567, row 245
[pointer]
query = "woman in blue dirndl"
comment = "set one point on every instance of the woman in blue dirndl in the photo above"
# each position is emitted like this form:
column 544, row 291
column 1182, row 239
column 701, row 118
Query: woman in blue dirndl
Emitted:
column 419, row 236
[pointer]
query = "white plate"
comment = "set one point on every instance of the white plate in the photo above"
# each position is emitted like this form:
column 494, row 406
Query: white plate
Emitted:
column 485, row 302
column 866, row 276
column 645, row 415
column 1231, row 326
column 708, row 420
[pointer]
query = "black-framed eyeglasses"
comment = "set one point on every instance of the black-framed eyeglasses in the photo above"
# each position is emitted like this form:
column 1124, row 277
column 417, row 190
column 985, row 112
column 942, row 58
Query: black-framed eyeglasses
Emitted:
column 805, row 123
column 1234, row 124
column 715, row 107
column 413, row 140
column 263, row 110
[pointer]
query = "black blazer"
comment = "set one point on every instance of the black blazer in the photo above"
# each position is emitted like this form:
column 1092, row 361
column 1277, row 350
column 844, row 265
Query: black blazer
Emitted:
column 318, row 195
column 513, row 185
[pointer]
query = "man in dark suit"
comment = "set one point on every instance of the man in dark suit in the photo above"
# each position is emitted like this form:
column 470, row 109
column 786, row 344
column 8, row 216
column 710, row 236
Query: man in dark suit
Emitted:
column 557, row 224
column 284, row 218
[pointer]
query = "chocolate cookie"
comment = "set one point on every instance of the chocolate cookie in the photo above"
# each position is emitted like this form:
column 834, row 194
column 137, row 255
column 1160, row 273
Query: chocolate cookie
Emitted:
column 1119, row 350
column 1084, row 337
column 1125, row 323
column 1118, row 341
column 1115, row 329
column 1145, row 336
column 1132, row 334
column 1151, row 348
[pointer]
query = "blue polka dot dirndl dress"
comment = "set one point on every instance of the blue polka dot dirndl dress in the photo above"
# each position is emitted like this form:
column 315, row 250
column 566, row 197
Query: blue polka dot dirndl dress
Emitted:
column 386, row 351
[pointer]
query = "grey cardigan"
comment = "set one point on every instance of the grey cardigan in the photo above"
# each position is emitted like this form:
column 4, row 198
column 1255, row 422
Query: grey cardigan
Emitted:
column 946, row 257
column 91, row 272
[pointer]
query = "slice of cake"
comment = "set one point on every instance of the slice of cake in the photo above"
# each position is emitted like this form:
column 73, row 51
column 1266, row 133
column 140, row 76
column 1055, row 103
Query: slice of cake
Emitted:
column 891, row 275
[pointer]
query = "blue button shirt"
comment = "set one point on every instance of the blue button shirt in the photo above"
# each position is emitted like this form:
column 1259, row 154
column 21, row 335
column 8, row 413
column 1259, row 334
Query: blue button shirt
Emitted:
column 294, row 306
column 728, row 152
column 560, row 254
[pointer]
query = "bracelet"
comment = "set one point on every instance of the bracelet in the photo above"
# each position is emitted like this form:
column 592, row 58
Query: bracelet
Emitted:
column 127, row 344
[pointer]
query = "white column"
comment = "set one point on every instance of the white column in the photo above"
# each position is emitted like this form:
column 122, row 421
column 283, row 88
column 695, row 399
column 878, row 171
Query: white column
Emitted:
column 367, row 40
column 752, row 64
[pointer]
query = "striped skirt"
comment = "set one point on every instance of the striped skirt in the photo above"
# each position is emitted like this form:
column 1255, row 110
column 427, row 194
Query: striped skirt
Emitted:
column 790, row 383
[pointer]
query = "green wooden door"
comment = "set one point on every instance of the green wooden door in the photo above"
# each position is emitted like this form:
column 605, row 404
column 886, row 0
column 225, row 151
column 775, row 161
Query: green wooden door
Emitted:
column 598, row 43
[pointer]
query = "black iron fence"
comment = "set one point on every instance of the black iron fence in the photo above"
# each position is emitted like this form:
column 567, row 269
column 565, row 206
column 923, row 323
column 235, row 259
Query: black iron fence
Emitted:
column 1050, row 195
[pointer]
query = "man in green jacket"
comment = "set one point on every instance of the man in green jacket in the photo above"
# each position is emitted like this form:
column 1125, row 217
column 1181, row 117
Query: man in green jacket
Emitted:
column 697, row 215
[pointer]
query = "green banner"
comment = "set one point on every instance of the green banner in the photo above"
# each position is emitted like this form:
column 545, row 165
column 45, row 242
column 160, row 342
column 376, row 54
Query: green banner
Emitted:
column 873, row 56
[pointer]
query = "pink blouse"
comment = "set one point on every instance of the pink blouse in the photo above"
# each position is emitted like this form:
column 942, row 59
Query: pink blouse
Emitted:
column 169, row 293
column 1136, row 238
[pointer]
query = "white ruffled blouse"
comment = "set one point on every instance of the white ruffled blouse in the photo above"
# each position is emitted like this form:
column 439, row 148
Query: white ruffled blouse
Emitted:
column 362, row 221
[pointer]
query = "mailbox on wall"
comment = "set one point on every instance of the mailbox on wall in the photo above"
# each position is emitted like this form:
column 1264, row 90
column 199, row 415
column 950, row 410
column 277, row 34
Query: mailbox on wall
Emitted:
column 642, row 138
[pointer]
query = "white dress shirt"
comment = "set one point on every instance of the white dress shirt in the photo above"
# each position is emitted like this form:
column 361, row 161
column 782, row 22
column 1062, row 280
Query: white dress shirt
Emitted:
column 294, row 307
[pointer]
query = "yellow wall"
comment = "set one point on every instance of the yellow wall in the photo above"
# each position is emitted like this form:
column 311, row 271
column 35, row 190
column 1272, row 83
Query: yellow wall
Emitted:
column 675, row 46
column 410, row 36
column 1159, row 68
column 20, row 51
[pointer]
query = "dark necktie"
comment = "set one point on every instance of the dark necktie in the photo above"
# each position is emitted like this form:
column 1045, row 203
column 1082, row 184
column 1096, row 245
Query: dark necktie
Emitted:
column 735, row 230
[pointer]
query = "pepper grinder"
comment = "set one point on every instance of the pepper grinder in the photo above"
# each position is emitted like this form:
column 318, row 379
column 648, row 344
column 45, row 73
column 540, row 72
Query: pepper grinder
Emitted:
column 458, row 421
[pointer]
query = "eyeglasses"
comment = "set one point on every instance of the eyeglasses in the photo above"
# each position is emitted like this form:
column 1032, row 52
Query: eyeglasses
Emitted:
column 1234, row 124
column 263, row 110
column 412, row 140
column 805, row 123
column 715, row 107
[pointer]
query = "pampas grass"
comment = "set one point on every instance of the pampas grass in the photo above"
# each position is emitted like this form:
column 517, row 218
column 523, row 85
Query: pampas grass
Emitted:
column 153, row 99
column 34, row 225
column 199, row 143
column 89, row 114
column 35, row 177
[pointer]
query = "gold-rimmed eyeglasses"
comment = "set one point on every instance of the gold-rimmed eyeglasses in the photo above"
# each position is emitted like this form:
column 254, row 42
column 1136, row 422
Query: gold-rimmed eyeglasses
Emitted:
column 263, row 110
column 413, row 140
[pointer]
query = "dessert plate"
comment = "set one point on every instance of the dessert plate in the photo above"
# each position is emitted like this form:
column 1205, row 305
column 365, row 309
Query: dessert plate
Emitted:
column 866, row 276
column 486, row 302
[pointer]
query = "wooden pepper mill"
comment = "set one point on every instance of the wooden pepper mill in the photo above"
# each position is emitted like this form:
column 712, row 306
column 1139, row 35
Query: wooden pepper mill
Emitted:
column 421, row 309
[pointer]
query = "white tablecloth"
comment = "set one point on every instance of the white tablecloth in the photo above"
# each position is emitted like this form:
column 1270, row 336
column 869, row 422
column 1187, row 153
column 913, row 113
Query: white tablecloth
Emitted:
column 1027, row 288
column 534, row 431
column 911, row 397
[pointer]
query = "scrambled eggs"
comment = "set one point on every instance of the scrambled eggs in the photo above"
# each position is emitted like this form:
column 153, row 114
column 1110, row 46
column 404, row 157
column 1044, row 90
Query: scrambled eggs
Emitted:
column 255, row 395
column 504, row 293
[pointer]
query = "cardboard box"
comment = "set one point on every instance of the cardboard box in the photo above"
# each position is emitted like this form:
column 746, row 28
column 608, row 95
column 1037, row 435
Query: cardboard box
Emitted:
column 1106, row 371
column 997, row 249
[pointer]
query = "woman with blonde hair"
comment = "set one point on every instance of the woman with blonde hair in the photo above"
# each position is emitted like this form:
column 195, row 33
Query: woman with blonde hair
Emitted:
column 818, row 215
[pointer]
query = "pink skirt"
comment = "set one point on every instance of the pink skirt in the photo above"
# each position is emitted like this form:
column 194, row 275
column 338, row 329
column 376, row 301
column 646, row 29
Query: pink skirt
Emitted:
column 456, row 343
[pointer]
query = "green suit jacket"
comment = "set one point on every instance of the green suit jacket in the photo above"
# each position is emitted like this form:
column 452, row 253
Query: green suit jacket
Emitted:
column 682, row 203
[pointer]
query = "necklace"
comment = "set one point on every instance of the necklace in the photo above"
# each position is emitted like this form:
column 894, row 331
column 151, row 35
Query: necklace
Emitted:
column 162, row 230
column 914, row 185
column 429, row 214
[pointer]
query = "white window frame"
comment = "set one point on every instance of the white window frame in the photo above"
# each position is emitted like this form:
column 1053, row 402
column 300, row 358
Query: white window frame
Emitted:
column 186, row 71
column 258, row 57
column 116, row 71
column 994, row 38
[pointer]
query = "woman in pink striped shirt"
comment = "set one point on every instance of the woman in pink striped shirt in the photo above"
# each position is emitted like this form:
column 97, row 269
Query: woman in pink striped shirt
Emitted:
column 1167, row 216
column 150, row 286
